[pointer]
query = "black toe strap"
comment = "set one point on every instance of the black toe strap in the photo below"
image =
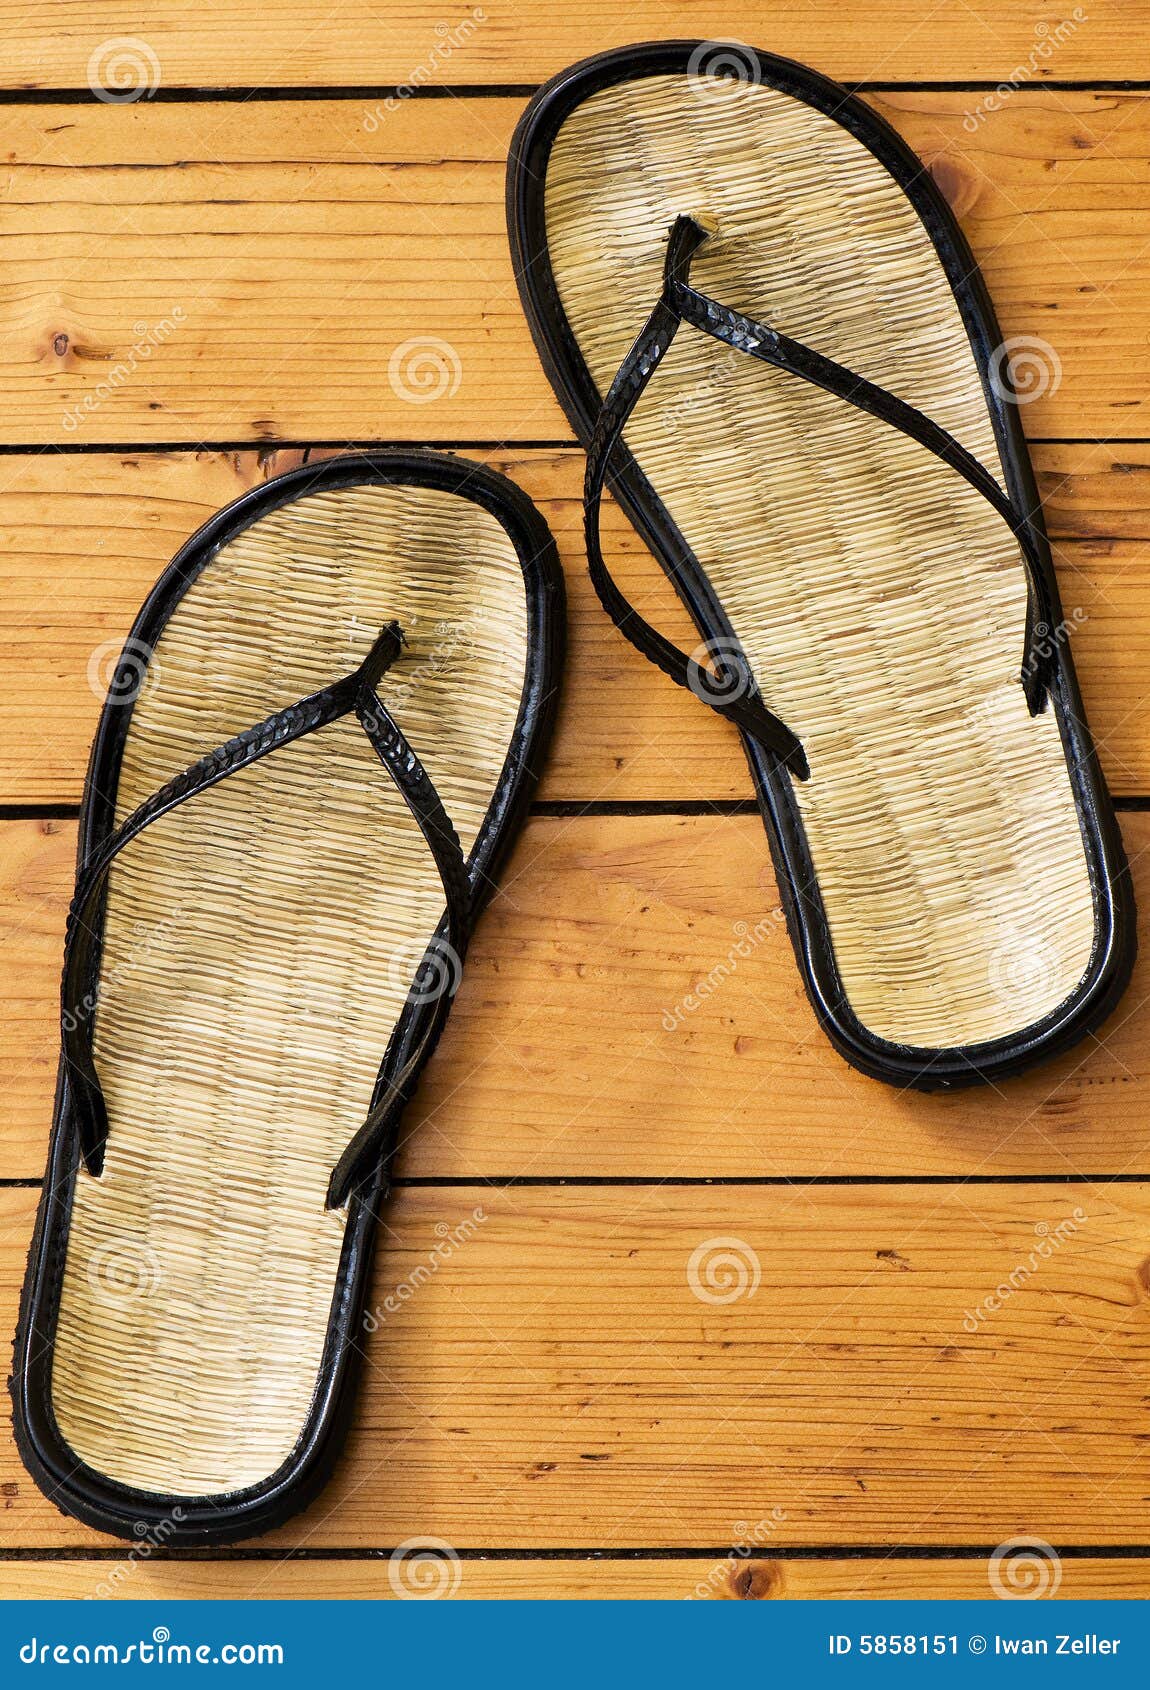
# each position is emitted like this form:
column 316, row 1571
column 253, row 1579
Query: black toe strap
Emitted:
column 355, row 693
column 733, row 694
column 427, row 1008
column 681, row 303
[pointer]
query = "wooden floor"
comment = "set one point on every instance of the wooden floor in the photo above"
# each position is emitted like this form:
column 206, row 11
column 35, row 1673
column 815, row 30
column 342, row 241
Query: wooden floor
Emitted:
column 255, row 244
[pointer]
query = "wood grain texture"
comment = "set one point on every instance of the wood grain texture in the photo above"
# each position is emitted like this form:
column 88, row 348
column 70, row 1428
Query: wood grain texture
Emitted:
column 544, row 1375
column 737, row 1577
column 84, row 536
column 350, row 41
column 607, row 1025
column 271, row 270
column 257, row 272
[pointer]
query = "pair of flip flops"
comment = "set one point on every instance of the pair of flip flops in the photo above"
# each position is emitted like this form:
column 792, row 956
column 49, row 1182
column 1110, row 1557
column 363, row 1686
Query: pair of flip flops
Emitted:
column 770, row 336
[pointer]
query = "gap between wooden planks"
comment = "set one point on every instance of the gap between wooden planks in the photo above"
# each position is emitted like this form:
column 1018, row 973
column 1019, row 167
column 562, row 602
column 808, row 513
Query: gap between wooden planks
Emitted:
column 290, row 42
column 84, row 536
column 272, row 269
column 552, row 1379
column 735, row 1577
column 572, row 1049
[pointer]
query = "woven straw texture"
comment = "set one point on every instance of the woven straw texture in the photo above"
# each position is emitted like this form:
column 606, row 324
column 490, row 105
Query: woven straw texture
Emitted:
column 260, row 943
column 878, row 598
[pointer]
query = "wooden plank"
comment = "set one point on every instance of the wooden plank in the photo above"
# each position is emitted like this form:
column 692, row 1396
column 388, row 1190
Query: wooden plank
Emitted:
column 739, row 1577
column 83, row 537
column 269, row 270
column 573, row 1049
column 556, row 1382
column 321, row 42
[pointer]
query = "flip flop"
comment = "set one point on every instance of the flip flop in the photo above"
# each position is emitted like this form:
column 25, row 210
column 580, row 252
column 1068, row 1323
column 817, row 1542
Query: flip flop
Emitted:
column 767, row 329
column 262, row 950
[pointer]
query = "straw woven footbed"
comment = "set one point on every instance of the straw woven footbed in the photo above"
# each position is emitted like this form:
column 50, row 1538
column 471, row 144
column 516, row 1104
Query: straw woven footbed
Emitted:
column 878, row 598
column 260, row 943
